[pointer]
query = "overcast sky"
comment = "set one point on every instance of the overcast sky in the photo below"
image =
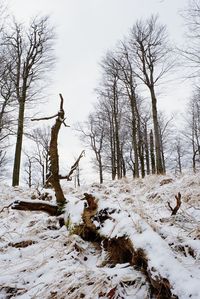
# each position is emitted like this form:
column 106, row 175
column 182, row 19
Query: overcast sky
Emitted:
column 86, row 29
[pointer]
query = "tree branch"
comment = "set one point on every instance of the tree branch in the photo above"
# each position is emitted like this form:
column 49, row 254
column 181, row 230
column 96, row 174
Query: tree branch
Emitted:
column 73, row 168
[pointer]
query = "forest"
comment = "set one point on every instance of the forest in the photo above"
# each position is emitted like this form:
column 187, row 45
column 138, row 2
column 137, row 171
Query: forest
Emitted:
column 125, row 133
column 135, row 232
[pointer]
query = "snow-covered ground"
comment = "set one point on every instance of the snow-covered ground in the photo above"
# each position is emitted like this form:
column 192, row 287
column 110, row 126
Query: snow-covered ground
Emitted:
column 38, row 259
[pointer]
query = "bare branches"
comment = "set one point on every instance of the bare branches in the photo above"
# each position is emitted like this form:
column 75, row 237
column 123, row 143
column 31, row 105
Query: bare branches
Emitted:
column 60, row 114
column 44, row 118
column 6, row 207
column 178, row 204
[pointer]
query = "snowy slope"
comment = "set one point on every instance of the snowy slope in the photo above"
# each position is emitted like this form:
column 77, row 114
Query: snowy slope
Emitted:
column 38, row 259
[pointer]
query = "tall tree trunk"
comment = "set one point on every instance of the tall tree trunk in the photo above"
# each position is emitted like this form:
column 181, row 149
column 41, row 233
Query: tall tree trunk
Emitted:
column 112, row 152
column 134, row 144
column 153, row 165
column 134, row 115
column 146, row 149
column 159, row 166
column 141, row 149
column 18, row 147
column 100, row 170
column 117, row 139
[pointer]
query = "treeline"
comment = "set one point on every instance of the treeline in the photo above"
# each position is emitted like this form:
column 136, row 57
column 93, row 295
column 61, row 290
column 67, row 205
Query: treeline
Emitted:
column 125, row 131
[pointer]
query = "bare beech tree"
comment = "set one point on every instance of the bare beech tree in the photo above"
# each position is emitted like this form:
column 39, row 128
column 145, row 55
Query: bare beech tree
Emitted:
column 126, row 75
column 29, row 56
column 151, row 56
column 93, row 133
column 192, row 128
column 178, row 147
column 41, row 140
column 191, row 53
column 28, row 169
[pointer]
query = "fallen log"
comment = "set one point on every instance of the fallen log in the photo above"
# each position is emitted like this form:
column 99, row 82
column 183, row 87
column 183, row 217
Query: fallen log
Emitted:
column 121, row 249
column 50, row 209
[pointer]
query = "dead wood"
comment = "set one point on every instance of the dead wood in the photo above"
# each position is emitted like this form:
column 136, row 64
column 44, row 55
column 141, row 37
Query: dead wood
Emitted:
column 52, row 210
column 166, row 181
column 73, row 168
column 11, row 292
column 54, row 158
column 6, row 207
column 178, row 204
column 22, row 244
column 121, row 250
column 53, row 178
column 88, row 230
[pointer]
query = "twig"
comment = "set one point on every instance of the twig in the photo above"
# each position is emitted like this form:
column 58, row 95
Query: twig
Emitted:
column 6, row 207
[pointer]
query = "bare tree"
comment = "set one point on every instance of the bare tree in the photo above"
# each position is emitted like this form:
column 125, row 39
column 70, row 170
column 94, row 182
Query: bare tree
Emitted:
column 151, row 55
column 192, row 128
column 191, row 53
column 126, row 75
column 40, row 151
column 179, row 153
column 92, row 133
column 28, row 168
column 29, row 56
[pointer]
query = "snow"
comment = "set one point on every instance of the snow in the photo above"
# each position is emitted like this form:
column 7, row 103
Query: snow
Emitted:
column 58, row 264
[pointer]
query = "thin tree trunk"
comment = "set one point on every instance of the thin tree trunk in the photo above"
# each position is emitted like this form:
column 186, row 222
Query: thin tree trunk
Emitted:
column 117, row 139
column 100, row 170
column 146, row 149
column 18, row 147
column 159, row 166
column 153, row 165
column 134, row 131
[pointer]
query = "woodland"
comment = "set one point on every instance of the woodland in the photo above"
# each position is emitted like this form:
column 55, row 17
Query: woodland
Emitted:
column 131, row 234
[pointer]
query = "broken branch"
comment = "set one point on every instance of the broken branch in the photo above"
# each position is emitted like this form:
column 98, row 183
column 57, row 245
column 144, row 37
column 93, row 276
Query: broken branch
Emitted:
column 178, row 204
column 52, row 210
column 44, row 118
column 73, row 168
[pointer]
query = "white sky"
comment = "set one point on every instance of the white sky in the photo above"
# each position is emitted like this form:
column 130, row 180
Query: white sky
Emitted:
column 86, row 29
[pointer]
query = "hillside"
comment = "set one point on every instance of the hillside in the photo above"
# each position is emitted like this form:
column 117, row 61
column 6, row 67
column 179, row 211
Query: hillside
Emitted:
column 40, row 259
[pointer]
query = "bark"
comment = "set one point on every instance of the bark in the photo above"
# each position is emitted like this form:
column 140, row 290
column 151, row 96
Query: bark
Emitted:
column 146, row 150
column 116, row 131
column 153, row 166
column 52, row 210
column 54, row 157
column 100, row 170
column 18, row 147
column 159, row 166
column 178, row 204
column 134, row 132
